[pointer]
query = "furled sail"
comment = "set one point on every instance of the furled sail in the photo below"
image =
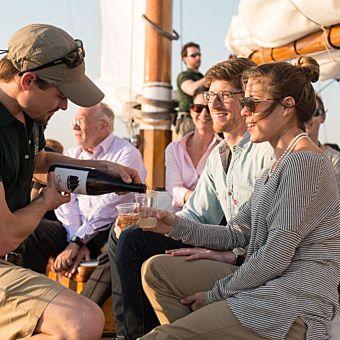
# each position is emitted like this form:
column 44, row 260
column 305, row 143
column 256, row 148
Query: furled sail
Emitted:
column 274, row 23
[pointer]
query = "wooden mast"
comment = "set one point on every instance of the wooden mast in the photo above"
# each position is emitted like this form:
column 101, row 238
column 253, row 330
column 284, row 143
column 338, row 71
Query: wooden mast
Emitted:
column 311, row 43
column 155, row 128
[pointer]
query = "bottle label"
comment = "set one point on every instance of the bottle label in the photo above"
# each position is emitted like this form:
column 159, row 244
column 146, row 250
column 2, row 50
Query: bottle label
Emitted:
column 71, row 180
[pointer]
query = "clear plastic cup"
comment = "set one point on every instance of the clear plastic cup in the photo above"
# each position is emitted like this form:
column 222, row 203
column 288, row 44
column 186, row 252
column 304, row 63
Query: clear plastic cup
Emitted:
column 129, row 213
column 149, row 199
column 148, row 205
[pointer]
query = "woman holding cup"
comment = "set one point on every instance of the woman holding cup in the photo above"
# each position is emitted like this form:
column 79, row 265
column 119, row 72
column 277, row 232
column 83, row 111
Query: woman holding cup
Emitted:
column 142, row 212
column 287, row 287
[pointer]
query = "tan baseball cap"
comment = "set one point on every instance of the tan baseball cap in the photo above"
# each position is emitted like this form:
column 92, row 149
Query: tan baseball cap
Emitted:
column 56, row 58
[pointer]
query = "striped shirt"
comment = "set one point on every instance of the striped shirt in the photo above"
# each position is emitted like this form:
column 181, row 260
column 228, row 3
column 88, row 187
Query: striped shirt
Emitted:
column 292, row 269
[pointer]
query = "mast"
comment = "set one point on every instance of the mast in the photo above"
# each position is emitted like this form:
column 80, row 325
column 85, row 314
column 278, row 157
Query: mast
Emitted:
column 155, row 128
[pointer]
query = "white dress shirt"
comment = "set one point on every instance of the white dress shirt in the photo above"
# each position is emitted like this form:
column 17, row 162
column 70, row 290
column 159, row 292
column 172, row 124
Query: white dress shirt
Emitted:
column 84, row 215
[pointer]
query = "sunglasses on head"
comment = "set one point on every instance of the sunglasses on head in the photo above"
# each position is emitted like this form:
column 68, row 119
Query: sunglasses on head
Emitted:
column 194, row 55
column 72, row 59
column 198, row 108
column 250, row 103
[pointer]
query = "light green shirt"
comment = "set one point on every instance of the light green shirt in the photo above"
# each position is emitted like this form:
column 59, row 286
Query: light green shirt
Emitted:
column 221, row 192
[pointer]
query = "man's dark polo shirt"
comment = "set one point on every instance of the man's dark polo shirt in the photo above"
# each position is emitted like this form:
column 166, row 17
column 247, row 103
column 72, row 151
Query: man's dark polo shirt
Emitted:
column 184, row 99
column 19, row 145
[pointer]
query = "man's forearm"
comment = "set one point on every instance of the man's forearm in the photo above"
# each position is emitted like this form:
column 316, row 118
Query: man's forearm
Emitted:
column 52, row 157
column 21, row 224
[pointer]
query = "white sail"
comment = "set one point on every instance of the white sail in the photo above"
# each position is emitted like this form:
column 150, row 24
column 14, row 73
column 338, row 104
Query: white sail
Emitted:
column 274, row 23
column 122, row 50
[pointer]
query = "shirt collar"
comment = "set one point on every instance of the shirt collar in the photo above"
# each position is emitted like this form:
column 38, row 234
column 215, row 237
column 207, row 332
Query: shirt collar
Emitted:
column 184, row 139
column 239, row 145
column 244, row 140
column 6, row 118
column 104, row 145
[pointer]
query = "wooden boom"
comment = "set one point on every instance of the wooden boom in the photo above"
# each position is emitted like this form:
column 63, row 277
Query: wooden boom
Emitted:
column 311, row 43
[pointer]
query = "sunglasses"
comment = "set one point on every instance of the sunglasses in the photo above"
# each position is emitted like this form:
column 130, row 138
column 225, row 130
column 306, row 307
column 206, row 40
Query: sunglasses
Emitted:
column 72, row 59
column 198, row 108
column 223, row 96
column 194, row 55
column 318, row 112
column 250, row 103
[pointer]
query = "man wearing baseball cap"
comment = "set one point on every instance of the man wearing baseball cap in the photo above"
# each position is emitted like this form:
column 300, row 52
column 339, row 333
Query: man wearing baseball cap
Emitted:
column 42, row 68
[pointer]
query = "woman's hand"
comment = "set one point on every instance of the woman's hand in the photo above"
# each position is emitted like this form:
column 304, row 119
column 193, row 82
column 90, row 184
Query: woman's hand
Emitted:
column 196, row 301
column 117, row 228
column 203, row 253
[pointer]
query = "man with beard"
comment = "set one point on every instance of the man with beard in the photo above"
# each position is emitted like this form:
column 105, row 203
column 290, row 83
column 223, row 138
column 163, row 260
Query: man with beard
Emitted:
column 226, row 183
column 43, row 68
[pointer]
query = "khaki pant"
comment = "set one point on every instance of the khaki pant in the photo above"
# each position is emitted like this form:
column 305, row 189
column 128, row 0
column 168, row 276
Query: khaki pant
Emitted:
column 168, row 279
column 24, row 296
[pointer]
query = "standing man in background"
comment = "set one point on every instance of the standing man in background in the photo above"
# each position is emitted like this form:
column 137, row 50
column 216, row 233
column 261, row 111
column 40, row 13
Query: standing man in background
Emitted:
column 187, row 82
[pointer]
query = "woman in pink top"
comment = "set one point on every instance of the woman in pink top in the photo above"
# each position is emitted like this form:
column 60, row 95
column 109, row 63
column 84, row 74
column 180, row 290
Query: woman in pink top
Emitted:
column 185, row 159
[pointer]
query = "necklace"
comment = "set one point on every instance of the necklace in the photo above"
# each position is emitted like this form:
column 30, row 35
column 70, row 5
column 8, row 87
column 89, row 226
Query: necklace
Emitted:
column 289, row 149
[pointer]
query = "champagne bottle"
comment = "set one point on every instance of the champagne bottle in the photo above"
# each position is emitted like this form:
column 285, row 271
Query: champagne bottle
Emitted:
column 90, row 181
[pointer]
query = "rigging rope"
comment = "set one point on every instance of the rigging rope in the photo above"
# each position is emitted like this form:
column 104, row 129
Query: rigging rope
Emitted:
column 130, row 119
column 181, row 29
column 171, row 36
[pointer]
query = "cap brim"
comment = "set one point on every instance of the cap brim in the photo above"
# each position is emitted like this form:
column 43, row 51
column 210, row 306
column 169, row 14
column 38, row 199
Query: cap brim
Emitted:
column 82, row 93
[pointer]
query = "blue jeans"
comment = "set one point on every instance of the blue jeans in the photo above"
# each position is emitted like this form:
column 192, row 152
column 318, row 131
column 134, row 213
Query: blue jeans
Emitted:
column 127, row 256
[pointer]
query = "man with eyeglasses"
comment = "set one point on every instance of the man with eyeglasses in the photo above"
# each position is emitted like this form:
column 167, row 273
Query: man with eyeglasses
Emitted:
column 187, row 82
column 226, row 183
column 313, row 127
column 42, row 69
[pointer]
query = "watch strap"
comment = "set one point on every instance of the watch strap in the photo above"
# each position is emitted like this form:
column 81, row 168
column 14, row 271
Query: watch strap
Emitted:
column 239, row 259
column 77, row 240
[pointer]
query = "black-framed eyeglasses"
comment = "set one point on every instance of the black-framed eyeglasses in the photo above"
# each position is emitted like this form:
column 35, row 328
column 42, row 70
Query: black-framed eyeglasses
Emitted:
column 72, row 59
column 198, row 108
column 194, row 55
column 250, row 102
column 223, row 96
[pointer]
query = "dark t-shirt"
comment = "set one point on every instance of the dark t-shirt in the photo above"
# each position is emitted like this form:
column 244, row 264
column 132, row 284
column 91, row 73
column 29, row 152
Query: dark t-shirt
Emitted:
column 184, row 99
column 19, row 146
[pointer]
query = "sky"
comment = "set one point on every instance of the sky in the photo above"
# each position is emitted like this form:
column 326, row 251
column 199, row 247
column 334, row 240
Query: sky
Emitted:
column 195, row 20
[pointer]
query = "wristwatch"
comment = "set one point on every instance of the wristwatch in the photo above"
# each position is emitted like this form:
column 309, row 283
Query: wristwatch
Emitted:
column 77, row 240
column 240, row 255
